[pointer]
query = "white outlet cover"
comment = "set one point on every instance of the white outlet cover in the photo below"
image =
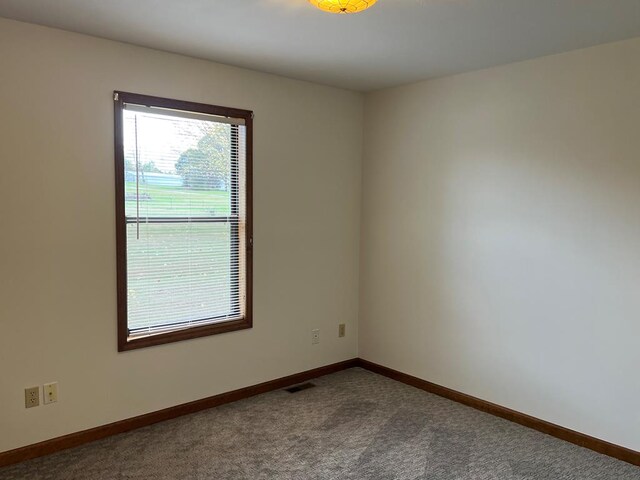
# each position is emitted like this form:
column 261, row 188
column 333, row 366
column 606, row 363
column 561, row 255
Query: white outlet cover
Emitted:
column 315, row 336
column 50, row 391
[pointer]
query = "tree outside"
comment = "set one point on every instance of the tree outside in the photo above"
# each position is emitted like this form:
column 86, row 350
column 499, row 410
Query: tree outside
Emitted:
column 206, row 167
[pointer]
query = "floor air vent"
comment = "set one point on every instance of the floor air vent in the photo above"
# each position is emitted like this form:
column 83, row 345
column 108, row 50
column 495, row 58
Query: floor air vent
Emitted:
column 297, row 388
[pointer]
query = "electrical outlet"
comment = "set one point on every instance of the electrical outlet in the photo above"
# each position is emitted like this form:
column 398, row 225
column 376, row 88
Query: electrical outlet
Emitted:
column 50, row 392
column 31, row 397
column 315, row 336
column 341, row 330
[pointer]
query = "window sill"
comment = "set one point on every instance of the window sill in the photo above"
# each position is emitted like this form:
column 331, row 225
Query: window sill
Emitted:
column 126, row 344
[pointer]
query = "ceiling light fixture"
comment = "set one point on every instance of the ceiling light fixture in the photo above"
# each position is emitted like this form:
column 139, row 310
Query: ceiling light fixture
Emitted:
column 343, row 6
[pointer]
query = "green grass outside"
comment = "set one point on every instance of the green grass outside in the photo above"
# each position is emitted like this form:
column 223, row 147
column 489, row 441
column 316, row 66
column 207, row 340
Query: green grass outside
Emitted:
column 170, row 201
column 177, row 272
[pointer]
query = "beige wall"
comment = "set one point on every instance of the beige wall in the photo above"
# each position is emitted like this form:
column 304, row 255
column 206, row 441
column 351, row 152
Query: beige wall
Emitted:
column 500, row 246
column 500, row 234
column 57, row 243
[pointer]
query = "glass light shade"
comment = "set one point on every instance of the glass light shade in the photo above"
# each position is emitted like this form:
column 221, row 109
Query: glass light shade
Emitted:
column 343, row 6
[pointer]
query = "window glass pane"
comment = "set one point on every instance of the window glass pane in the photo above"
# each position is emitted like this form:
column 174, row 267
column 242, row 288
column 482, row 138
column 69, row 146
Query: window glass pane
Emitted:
column 176, row 167
column 181, row 272
column 184, row 230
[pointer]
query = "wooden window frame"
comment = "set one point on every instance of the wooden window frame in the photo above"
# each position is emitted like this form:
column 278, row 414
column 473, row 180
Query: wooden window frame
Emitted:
column 126, row 343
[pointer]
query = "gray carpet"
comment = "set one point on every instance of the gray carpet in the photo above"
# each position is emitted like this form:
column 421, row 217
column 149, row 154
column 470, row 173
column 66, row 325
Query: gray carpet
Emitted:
column 353, row 425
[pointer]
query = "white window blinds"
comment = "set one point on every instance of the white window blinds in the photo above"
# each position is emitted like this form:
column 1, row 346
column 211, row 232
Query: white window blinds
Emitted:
column 185, row 212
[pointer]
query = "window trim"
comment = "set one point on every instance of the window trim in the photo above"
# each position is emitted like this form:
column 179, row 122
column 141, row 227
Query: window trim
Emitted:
column 124, row 342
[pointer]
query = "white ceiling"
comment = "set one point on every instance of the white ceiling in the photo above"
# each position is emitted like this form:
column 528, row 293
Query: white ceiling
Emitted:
column 395, row 42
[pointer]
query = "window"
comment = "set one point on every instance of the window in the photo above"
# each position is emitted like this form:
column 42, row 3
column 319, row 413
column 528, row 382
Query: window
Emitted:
column 183, row 219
